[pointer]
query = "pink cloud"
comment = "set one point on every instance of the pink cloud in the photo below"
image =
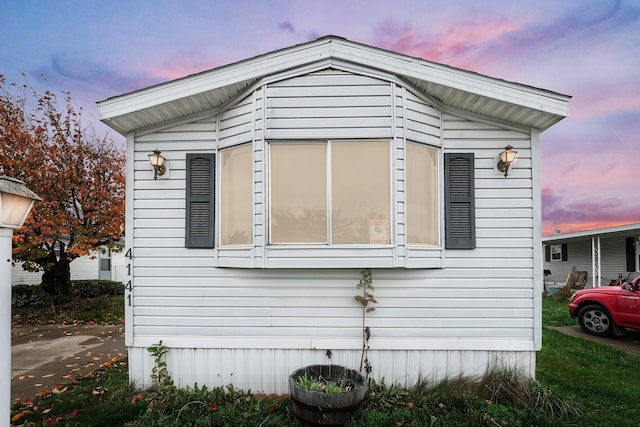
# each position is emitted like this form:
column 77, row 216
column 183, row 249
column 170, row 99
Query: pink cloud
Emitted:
column 450, row 43
column 178, row 68
column 606, row 99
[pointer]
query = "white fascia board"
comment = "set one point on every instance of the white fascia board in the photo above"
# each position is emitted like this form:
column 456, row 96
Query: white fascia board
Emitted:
column 328, row 48
column 227, row 75
column 620, row 229
column 514, row 93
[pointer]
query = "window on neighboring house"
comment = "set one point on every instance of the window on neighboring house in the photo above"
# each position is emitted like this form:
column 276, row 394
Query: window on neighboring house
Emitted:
column 557, row 252
column 236, row 195
column 633, row 253
column 336, row 192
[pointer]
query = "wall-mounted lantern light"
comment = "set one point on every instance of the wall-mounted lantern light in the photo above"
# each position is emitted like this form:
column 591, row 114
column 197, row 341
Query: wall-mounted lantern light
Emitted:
column 506, row 158
column 157, row 161
column 16, row 201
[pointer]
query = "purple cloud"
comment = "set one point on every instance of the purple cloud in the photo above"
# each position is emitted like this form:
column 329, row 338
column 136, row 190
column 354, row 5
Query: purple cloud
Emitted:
column 286, row 26
column 94, row 77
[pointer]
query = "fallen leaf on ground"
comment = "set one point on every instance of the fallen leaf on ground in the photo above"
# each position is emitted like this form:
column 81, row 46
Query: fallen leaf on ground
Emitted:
column 20, row 414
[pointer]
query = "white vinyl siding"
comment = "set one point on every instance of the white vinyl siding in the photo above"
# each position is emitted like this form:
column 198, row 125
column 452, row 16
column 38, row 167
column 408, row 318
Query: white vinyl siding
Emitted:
column 269, row 369
column 423, row 121
column 236, row 124
column 252, row 326
column 329, row 105
column 253, row 315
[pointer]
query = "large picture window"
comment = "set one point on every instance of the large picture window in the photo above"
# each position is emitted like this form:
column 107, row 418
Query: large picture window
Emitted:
column 330, row 204
column 335, row 192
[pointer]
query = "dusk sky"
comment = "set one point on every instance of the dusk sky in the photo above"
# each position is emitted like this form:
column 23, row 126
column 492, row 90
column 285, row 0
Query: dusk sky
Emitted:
column 589, row 49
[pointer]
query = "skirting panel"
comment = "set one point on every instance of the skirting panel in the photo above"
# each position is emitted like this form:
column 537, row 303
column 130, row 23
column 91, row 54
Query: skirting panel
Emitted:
column 267, row 370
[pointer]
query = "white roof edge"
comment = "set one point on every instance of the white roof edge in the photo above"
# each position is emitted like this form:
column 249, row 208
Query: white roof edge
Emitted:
column 243, row 70
column 627, row 228
column 337, row 47
column 491, row 87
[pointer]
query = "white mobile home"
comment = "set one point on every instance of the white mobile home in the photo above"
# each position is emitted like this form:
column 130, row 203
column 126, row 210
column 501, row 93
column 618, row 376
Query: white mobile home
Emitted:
column 288, row 173
column 604, row 253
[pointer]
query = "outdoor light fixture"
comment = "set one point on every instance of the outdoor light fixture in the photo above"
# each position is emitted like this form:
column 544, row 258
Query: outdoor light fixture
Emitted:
column 506, row 158
column 157, row 161
column 16, row 201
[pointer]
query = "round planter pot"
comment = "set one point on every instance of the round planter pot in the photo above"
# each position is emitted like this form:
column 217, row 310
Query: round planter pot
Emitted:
column 317, row 408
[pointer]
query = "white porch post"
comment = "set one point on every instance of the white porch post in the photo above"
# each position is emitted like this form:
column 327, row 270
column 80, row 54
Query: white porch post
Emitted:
column 595, row 261
column 16, row 201
column 5, row 322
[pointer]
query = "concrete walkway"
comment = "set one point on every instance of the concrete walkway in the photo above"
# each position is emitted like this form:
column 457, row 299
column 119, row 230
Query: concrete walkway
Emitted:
column 629, row 343
column 43, row 356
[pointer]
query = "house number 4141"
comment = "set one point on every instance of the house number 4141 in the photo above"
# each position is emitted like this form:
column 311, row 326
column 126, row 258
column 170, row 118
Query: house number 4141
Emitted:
column 129, row 286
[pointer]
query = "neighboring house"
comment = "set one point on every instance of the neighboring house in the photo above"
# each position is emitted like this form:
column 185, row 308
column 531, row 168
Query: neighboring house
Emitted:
column 109, row 265
column 289, row 172
column 604, row 254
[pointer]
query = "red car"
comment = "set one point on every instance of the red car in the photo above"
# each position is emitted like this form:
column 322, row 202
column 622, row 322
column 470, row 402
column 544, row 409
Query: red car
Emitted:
column 607, row 310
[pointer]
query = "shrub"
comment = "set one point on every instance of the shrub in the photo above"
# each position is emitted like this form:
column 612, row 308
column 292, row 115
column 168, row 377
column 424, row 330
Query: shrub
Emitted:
column 29, row 296
column 85, row 289
column 34, row 296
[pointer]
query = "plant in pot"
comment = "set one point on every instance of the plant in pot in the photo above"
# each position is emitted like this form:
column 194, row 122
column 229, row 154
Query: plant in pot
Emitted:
column 331, row 395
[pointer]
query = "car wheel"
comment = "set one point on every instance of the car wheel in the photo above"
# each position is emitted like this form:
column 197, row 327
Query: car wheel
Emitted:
column 595, row 320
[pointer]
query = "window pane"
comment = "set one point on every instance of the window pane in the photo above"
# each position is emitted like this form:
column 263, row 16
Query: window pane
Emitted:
column 236, row 204
column 422, row 195
column 360, row 192
column 298, row 193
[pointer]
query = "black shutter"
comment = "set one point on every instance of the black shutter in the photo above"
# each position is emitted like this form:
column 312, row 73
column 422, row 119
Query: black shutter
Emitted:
column 631, row 254
column 200, row 200
column 547, row 253
column 460, row 218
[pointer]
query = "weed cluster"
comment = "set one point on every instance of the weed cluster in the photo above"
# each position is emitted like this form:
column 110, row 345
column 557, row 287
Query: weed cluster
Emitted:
column 311, row 383
column 500, row 398
column 104, row 399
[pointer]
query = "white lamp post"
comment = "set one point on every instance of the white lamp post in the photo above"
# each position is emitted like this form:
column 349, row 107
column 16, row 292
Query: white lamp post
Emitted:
column 16, row 201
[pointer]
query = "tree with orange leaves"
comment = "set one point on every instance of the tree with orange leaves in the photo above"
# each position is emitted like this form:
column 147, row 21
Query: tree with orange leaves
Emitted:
column 79, row 176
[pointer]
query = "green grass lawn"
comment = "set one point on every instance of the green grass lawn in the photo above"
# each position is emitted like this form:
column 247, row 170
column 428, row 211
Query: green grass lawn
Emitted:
column 601, row 383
